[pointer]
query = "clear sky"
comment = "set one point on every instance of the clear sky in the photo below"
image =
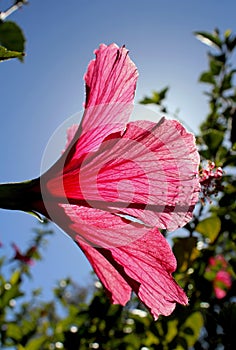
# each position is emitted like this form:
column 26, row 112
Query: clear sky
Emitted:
column 38, row 95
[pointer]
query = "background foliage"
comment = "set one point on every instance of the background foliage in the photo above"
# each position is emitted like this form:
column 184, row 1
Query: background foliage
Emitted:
column 79, row 318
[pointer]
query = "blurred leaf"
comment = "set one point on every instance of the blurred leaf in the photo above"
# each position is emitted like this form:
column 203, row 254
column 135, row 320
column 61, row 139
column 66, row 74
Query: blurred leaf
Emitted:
column 215, row 67
column 227, row 81
column 209, row 227
column 207, row 77
column 213, row 139
column 36, row 344
column 15, row 277
column 231, row 42
column 227, row 33
column 20, row 347
column 185, row 251
column 221, row 58
column 209, row 39
column 12, row 37
column 9, row 294
column 172, row 330
column 162, row 93
column 231, row 160
column 191, row 328
column 182, row 343
column 14, row 331
column 221, row 154
column 156, row 97
column 8, row 54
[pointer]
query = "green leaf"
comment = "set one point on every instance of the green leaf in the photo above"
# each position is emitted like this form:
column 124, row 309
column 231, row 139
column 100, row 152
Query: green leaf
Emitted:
column 162, row 93
column 213, row 139
column 185, row 251
column 221, row 154
column 9, row 294
column 209, row 39
column 215, row 67
column 194, row 323
column 35, row 214
column 221, row 58
column 156, row 97
column 207, row 77
column 12, row 37
column 227, row 82
column 231, row 42
column 37, row 343
column 14, row 331
column 227, row 33
column 8, row 54
column 209, row 227
column 15, row 277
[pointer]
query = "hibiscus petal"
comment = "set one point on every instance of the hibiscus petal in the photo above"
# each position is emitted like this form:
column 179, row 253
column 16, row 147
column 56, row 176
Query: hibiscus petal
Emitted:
column 110, row 78
column 108, row 274
column 110, row 86
column 150, row 173
column 145, row 264
column 149, row 262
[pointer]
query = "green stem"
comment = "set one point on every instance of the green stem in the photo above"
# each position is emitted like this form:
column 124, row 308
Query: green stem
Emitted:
column 19, row 195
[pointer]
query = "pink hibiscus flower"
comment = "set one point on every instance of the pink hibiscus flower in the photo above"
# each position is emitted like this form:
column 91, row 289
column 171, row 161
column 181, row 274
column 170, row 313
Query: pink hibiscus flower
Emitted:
column 118, row 183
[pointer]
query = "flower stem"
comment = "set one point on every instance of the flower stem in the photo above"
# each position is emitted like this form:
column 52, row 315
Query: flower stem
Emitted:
column 18, row 195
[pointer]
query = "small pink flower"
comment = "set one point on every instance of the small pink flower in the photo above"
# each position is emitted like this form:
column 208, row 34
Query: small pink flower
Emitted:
column 210, row 179
column 222, row 283
column 218, row 261
column 25, row 258
column 118, row 183
column 218, row 272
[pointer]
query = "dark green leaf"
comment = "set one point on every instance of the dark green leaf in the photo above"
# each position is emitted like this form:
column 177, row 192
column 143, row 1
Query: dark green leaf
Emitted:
column 146, row 101
column 221, row 154
column 215, row 67
column 231, row 42
column 227, row 82
column 162, row 93
column 12, row 37
column 207, row 77
column 213, row 139
column 8, row 54
column 185, row 251
column 156, row 97
column 231, row 160
column 221, row 58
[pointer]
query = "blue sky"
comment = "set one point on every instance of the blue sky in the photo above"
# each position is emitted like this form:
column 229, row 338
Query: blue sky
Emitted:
column 37, row 96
